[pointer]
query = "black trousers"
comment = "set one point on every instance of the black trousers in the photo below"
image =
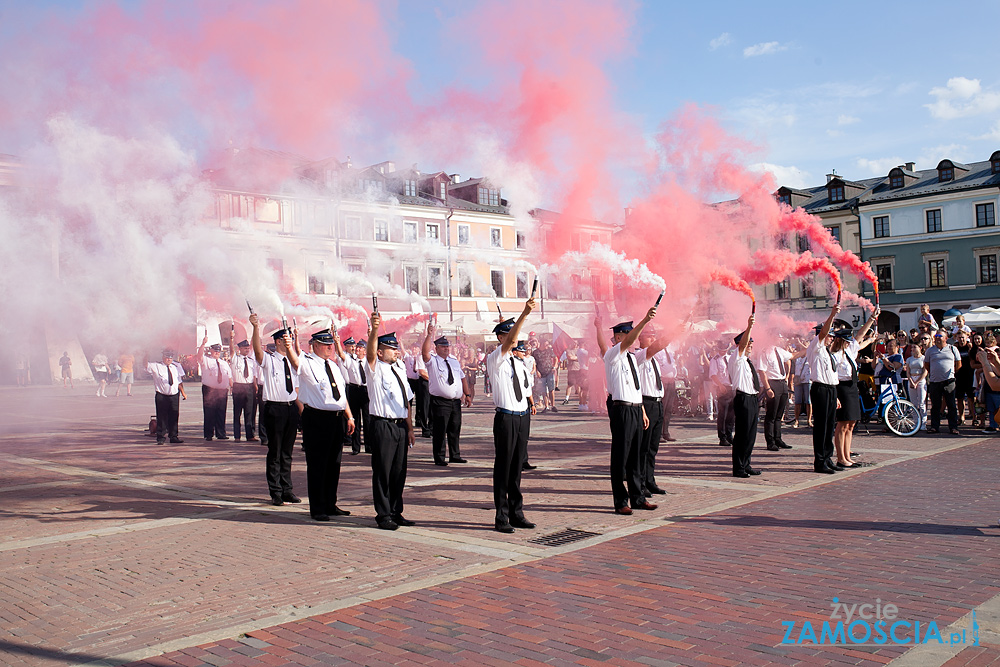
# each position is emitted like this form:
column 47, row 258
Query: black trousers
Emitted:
column 626, row 439
column 824, row 404
column 244, row 407
column 725, row 418
column 259, row 408
column 168, row 411
column 510, row 442
column 421, row 408
column 280, row 421
column 945, row 390
column 446, row 422
column 650, row 443
column 323, row 440
column 387, row 440
column 774, row 412
column 747, row 409
column 669, row 403
column 214, row 404
column 357, row 398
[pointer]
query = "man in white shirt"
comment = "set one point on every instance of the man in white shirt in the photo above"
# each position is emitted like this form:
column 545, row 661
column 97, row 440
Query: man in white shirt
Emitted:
column 775, row 365
column 216, row 377
column 625, row 413
column 823, row 395
column 391, row 428
column 279, row 413
column 168, row 382
column 448, row 387
column 325, row 418
column 521, row 356
column 416, row 376
column 352, row 363
column 746, row 402
column 511, row 423
column 653, row 388
column 668, row 362
column 244, row 371
column 725, row 418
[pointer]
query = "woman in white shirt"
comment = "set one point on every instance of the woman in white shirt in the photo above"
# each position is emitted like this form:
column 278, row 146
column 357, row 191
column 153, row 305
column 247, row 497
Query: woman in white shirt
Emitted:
column 101, row 371
column 916, row 385
column 844, row 350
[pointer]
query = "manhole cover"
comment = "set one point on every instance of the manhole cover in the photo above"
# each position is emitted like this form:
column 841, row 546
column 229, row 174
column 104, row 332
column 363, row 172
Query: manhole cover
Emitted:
column 563, row 537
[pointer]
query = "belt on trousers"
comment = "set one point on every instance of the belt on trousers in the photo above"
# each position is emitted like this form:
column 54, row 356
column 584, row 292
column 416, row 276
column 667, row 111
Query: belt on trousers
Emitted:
column 445, row 398
column 160, row 393
column 746, row 393
column 329, row 412
column 505, row 411
column 655, row 399
column 391, row 420
column 280, row 402
column 632, row 405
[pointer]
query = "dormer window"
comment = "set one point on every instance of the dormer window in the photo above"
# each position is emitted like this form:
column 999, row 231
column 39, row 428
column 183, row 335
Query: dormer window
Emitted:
column 995, row 163
column 785, row 199
column 946, row 174
column 896, row 179
column 444, row 190
column 489, row 197
column 836, row 193
column 410, row 188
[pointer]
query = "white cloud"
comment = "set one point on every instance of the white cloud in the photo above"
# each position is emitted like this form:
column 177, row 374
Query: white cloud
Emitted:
column 847, row 120
column 763, row 49
column 879, row 166
column 792, row 176
column 722, row 40
column 962, row 97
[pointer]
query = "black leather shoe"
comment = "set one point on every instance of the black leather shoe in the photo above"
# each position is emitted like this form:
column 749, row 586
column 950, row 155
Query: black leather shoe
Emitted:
column 521, row 522
column 458, row 460
column 388, row 524
column 723, row 443
column 223, row 437
column 425, row 434
column 753, row 471
column 403, row 521
column 644, row 505
column 339, row 512
column 291, row 498
column 773, row 448
column 208, row 440
column 176, row 441
column 658, row 490
column 275, row 500
column 741, row 474
column 440, row 463
column 647, row 493
column 782, row 445
column 528, row 466
column 320, row 517
column 503, row 527
column 824, row 470
column 838, row 466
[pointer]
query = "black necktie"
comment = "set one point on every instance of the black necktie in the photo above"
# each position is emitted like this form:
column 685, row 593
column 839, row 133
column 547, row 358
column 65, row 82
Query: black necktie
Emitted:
column 781, row 364
column 333, row 383
column 218, row 370
column 170, row 377
column 402, row 390
column 753, row 373
column 288, row 376
column 656, row 372
column 361, row 367
column 517, row 385
column 631, row 364
column 451, row 376
column 246, row 369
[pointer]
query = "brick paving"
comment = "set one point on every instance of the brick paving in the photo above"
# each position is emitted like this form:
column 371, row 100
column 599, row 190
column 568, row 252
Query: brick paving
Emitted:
column 114, row 547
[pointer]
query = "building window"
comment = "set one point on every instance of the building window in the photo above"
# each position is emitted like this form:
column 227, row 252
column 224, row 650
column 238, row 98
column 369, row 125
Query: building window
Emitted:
column 946, row 174
column 381, row 230
column 521, row 241
column 836, row 194
column 433, row 281
column 985, row 215
column 444, row 190
column 433, row 232
column 835, row 232
column 371, row 184
column 409, row 231
column 496, row 238
column 410, row 188
column 995, row 166
column 522, row 284
column 464, row 281
column 803, row 243
column 315, row 279
column 489, row 197
column 896, row 180
column 464, row 234
column 936, row 273
column 352, row 228
column 988, row 269
column 496, row 281
column 881, row 223
column 781, row 290
column 934, row 221
column 884, row 273
column 266, row 210
column 577, row 284
column 412, row 275
column 597, row 286
column 356, row 268
column 785, row 199
column 808, row 289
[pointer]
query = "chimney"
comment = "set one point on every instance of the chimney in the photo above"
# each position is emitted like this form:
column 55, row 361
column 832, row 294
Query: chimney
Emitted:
column 455, row 178
column 910, row 166
column 348, row 161
column 831, row 176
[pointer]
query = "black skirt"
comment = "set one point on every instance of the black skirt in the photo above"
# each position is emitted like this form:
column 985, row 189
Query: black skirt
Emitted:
column 850, row 401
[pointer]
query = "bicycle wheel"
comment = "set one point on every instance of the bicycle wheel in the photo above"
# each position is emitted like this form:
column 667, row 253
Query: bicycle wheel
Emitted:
column 902, row 418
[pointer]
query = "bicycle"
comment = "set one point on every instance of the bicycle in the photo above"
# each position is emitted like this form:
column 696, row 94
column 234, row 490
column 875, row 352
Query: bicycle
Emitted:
column 898, row 414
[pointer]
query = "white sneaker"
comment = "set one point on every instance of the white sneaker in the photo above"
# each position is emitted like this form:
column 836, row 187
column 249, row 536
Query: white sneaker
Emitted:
column 584, row 408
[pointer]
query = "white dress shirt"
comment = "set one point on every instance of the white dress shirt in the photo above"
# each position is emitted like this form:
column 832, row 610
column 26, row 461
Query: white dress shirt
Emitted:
column 384, row 398
column 668, row 364
column 847, row 360
column 719, row 368
column 158, row 370
column 618, row 367
column 272, row 371
column 437, row 377
column 741, row 374
column 215, row 373
column 351, row 366
column 503, row 370
column 773, row 363
column 314, row 383
column 244, row 368
column 648, row 368
column 414, row 364
column 822, row 367
column 801, row 370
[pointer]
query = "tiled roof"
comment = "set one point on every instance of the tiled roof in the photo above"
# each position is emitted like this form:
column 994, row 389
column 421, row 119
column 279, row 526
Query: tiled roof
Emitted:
column 926, row 184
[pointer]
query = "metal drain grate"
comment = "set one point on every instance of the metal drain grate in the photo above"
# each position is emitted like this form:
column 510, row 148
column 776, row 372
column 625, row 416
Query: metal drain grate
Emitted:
column 567, row 536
